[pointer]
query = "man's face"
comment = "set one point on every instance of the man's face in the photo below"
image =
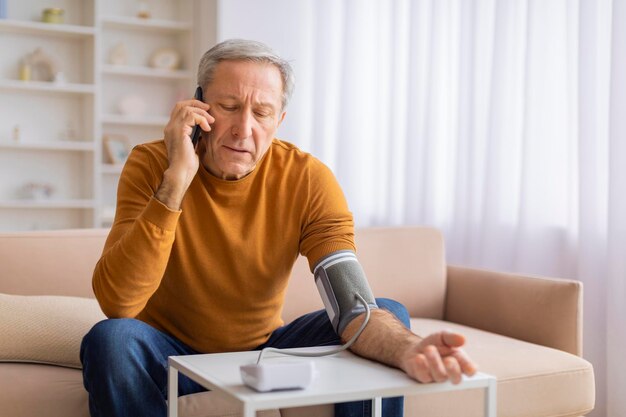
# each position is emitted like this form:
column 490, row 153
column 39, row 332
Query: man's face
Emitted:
column 245, row 99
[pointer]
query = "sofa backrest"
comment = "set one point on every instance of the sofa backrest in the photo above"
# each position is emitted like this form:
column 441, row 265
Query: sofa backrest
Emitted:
column 406, row 264
column 56, row 262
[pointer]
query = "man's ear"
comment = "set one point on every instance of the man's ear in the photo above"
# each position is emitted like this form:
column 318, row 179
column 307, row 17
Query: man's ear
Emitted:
column 282, row 117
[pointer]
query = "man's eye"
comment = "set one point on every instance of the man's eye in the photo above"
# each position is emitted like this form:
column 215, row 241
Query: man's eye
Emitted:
column 261, row 114
column 229, row 108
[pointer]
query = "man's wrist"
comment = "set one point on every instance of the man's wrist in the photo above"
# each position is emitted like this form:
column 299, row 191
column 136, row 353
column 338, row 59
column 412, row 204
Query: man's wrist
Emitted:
column 406, row 350
column 172, row 190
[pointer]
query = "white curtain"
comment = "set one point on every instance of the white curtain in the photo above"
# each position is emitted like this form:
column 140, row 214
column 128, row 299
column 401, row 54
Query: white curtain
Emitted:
column 501, row 122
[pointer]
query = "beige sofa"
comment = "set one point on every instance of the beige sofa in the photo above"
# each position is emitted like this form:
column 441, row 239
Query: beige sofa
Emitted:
column 524, row 330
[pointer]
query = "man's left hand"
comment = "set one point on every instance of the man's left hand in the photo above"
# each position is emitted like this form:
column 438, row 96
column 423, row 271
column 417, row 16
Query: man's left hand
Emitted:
column 438, row 358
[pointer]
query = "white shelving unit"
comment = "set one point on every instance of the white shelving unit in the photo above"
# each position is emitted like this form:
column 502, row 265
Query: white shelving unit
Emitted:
column 49, row 204
column 51, row 133
column 40, row 28
column 48, row 140
column 46, row 86
column 150, row 121
column 159, row 25
column 61, row 145
column 146, row 72
column 170, row 26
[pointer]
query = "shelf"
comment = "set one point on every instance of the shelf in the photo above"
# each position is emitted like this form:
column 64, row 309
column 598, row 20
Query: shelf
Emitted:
column 40, row 28
column 116, row 119
column 49, row 87
column 114, row 169
column 135, row 23
column 64, row 145
column 146, row 72
column 48, row 204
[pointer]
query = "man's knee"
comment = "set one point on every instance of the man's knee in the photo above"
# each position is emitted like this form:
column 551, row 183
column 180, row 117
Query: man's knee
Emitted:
column 111, row 339
column 396, row 309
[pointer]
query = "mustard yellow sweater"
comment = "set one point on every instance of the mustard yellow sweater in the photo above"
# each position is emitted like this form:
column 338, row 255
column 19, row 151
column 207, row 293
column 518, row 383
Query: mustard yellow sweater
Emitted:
column 214, row 274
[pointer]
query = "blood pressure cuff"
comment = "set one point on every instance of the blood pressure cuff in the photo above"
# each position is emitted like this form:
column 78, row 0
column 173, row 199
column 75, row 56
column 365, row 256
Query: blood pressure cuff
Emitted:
column 339, row 277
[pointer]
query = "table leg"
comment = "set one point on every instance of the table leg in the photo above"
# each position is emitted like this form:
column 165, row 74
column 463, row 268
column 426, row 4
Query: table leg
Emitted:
column 172, row 392
column 491, row 398
column 248, row 410
column 377, row 409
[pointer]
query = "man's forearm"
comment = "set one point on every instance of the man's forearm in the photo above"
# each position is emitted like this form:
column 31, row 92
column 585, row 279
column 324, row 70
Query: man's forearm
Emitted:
column 137, row 250
column 384, row 339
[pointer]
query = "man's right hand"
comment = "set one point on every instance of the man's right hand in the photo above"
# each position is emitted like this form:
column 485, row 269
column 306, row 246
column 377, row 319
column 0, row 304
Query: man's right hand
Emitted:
column 182, row 157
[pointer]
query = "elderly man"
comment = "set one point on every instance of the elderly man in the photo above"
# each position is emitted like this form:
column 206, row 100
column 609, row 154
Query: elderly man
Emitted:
column 205, row 236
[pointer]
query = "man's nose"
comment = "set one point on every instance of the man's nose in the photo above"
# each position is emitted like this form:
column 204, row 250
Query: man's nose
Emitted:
column 242, row 128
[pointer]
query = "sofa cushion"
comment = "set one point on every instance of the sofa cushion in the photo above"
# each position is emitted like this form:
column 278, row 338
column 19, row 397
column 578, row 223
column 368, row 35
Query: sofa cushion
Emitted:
column 28, row 389
column 533, row 380
column 45, row 329
column 215, row 404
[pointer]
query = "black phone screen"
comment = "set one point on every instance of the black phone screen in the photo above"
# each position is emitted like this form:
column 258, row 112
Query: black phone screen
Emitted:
column 195, row 134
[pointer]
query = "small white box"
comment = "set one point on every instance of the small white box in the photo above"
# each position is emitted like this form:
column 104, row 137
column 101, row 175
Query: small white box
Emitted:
column 272, row 376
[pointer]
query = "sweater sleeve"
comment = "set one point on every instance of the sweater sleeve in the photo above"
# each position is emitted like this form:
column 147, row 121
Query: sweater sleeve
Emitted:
column 328, row 225
column 139, row 244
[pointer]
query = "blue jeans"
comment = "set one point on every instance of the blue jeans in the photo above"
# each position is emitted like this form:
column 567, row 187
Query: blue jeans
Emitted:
column 125, row 364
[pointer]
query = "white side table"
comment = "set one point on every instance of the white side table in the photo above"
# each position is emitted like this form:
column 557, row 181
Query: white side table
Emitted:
column 342, row 377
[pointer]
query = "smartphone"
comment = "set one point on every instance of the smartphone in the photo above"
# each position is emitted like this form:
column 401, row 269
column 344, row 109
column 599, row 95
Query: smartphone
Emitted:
column 195, row 134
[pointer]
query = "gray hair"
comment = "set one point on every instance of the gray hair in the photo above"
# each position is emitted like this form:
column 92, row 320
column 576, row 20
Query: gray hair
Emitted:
column 245, row 50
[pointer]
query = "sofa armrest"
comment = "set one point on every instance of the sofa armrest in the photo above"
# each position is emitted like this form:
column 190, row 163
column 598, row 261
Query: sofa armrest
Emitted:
column 544, row 311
